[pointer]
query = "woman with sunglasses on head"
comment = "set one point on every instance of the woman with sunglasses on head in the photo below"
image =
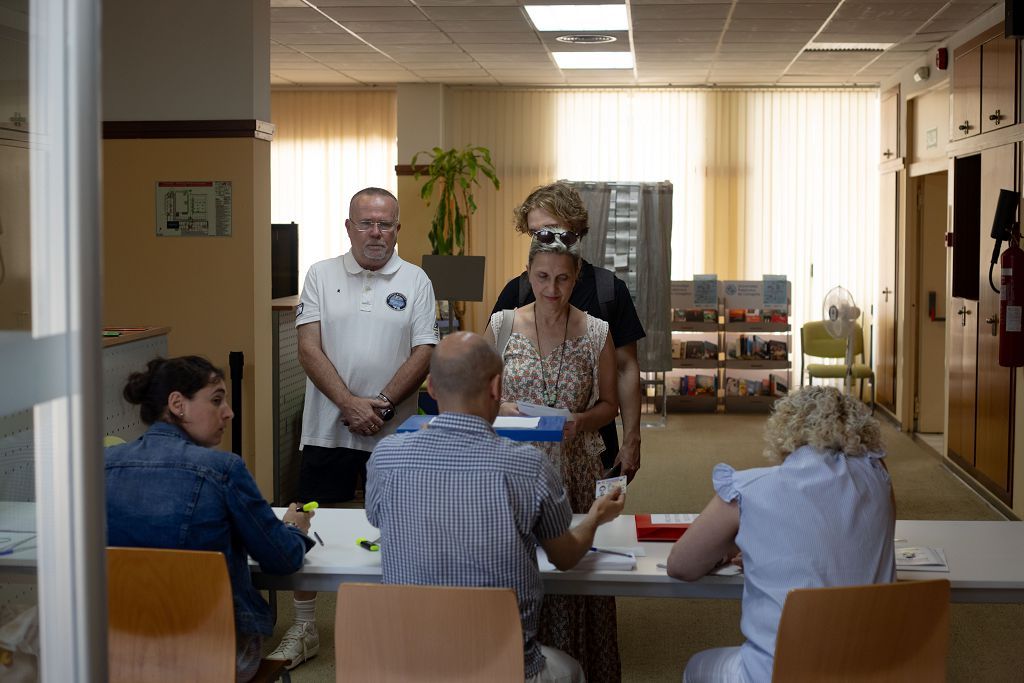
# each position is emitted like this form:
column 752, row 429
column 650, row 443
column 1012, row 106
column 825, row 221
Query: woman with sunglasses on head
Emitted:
column 559, row 356
column 599, row 293
column 172, row 488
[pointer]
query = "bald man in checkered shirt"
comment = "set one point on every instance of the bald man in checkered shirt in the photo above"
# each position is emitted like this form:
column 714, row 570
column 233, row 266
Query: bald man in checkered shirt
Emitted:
column 458, row 505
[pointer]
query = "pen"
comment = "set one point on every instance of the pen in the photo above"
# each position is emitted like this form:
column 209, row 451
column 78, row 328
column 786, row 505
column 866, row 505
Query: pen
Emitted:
column 610, row 552
column 10, row 549
column 317, row 537
column 311, row 505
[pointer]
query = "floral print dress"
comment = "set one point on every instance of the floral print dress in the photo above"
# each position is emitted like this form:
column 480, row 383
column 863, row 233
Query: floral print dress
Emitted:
column 582, row 626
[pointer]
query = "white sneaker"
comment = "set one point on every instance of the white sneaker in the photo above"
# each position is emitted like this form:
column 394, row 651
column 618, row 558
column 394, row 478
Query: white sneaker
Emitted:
column 300, row 642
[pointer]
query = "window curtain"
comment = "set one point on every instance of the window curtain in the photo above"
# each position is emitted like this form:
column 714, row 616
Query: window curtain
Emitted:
column 517, row 126
column 328, row 145
column 638, row 253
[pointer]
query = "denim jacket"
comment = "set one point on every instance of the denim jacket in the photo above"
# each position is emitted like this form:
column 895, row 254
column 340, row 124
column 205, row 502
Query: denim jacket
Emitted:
column 164, row 491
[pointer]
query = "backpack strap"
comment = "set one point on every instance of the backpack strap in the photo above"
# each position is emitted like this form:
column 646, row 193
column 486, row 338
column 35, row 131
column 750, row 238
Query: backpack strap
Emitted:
column 605, row 281
column 524, row 289
column 504, row 331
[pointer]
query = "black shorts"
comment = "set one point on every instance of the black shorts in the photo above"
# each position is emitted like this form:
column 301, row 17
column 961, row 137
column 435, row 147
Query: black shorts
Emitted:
column 329, row 475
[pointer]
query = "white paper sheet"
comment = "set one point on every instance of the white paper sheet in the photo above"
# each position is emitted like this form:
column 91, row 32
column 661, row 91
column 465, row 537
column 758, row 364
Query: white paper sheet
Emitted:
column 536, row 410
column 921, row 559
column 673, row 519
column 508, row 422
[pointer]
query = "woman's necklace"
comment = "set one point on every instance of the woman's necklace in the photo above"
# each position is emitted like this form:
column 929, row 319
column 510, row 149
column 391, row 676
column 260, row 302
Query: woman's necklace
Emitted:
column 549, row 399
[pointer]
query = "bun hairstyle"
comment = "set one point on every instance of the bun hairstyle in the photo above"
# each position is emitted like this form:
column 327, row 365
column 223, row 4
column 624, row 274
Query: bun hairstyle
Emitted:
column 151, row 388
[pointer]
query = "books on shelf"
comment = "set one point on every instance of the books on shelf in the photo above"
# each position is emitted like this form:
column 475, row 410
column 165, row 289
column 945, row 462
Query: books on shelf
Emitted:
column 695, row 315
column 696, row 385
column 757, row 315
column 778, row 385
column 701, row 350
column 754, row 347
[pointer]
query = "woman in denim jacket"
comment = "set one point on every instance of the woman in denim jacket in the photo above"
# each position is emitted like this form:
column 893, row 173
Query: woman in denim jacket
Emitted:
column 172, row 489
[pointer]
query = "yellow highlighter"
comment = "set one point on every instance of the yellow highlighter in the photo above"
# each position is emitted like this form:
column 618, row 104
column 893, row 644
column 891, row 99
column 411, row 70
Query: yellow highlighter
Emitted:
column 311, row 505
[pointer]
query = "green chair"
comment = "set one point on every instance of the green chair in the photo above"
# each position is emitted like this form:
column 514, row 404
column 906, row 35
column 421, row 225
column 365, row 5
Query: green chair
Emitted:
column 815, row 341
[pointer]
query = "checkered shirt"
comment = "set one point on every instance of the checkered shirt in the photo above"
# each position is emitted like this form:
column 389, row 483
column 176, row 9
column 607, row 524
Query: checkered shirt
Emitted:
column 458, row 505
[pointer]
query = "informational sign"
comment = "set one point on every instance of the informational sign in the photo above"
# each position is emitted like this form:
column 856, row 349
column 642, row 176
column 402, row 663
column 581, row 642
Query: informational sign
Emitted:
column 705, row 291
column 200, row 208
column 776, row 291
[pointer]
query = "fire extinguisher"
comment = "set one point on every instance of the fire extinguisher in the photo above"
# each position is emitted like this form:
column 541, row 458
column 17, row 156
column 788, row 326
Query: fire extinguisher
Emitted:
column 1011, row 302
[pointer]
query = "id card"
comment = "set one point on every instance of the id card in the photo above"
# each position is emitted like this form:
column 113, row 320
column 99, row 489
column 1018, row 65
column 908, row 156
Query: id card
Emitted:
column 606, row 486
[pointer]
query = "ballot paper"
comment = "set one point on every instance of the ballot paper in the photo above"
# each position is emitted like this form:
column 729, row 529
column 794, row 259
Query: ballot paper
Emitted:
column 921, row 559
column 537, row 410
column 507, row 422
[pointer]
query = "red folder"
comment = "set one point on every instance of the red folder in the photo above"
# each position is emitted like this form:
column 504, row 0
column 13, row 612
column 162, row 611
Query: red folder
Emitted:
column 645, row 531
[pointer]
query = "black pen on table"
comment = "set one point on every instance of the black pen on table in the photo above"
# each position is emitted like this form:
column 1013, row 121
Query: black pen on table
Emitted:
column 610, row 552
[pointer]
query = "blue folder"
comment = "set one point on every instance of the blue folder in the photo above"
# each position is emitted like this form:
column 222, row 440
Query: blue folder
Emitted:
column 549, row 429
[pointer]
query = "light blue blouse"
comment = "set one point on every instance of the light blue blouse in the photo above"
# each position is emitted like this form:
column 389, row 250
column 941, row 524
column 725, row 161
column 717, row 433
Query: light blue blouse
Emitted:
column 819, row 519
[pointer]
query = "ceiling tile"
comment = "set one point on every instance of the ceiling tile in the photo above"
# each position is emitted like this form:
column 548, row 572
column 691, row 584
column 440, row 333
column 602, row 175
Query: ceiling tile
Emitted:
column 347, row 14
column 678, row 24
column 322, row 77
column 782, row 10
column 475, row 13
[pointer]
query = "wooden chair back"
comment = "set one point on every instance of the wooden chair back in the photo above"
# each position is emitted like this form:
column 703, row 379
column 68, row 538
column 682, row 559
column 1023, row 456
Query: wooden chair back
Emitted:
column 891, row 632
column 170, row 616
column 390, row 633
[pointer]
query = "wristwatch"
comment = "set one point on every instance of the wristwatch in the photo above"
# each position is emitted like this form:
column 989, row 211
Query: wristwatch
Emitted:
column 291, row 524
column 389, row 412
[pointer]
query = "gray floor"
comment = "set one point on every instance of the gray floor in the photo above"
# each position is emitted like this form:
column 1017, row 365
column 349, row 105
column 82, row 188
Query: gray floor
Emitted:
column 657, row 636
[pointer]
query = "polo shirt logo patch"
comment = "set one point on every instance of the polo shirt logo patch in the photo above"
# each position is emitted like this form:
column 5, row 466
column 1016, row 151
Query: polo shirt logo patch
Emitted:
column 298, row 311
column 397, row 301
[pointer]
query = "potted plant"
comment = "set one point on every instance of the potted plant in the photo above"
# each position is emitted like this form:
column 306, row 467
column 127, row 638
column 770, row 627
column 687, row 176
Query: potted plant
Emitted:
column 452, row 173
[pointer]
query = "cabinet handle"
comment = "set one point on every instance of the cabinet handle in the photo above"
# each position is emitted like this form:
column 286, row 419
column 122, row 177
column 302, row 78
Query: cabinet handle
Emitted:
column 993, row 320
column 997, row 117
column 887, row 154
column 886, row 292
column 965, row 126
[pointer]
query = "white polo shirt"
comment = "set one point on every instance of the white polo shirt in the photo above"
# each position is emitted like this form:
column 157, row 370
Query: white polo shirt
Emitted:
column 369, row 323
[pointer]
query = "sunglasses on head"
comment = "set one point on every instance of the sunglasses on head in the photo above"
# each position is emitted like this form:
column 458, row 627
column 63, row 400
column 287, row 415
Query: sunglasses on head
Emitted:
column 548, row 235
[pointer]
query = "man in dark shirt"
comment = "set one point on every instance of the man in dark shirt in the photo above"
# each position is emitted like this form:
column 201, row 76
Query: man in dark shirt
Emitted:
column 602, row 295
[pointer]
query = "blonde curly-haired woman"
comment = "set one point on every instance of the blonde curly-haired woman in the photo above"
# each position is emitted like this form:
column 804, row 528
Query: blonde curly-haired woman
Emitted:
column 821, row 517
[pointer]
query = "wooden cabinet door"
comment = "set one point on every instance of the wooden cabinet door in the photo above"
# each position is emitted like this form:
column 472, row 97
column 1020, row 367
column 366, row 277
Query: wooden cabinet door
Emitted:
column 992, row 451
column 885, row 299
column 889, row 124
column 998, row 84
column 962, row 320
column 966, row 95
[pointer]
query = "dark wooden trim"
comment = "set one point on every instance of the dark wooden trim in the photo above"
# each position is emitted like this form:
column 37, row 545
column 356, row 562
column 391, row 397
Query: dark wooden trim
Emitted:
column 217, row 128
column 981, row 482
column 407, row 169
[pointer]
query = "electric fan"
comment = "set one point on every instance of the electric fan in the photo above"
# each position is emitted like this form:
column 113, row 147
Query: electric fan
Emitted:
column 840, row 314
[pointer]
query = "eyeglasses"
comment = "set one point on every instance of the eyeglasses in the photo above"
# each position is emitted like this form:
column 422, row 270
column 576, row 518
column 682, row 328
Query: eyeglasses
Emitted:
column 383, row 226
column 548, row 233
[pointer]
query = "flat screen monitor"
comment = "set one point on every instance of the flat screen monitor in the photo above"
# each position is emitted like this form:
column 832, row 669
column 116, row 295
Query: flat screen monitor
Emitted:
column 284, row 259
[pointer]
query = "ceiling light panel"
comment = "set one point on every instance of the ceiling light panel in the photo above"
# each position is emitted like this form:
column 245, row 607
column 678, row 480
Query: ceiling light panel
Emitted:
column 593, row 60
column 578, row 17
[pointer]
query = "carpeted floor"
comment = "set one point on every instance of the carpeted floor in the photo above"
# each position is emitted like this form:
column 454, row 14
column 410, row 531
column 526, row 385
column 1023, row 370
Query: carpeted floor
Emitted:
column 657, row 636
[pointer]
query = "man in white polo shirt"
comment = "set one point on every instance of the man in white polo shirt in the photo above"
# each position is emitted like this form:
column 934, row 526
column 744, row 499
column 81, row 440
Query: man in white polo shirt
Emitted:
column 366, row 328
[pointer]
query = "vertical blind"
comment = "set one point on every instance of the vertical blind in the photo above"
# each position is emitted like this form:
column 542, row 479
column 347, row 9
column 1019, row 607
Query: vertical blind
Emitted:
column 328, row 145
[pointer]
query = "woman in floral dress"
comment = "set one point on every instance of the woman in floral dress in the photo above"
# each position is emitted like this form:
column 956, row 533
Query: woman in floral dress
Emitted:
column 557, row 355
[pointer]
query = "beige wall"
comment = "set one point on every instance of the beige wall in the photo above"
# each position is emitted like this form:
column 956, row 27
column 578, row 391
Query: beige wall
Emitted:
column 213, row 292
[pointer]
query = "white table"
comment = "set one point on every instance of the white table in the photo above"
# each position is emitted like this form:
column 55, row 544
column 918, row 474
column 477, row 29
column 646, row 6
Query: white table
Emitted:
column 986, row 561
